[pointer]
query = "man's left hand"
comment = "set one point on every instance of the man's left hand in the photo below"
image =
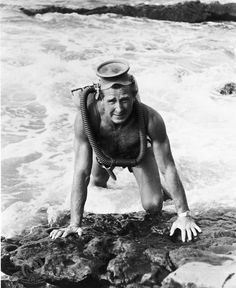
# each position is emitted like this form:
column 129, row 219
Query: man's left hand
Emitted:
column 187, row 226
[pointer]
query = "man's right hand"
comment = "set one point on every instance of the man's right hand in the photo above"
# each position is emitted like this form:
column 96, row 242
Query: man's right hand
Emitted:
column 64, row 232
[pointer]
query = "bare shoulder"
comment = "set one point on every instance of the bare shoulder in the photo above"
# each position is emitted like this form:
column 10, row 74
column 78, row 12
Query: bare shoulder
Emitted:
column 155, row 124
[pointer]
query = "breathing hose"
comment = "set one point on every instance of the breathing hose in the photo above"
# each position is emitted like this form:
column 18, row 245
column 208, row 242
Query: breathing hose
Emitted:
column 104, row 160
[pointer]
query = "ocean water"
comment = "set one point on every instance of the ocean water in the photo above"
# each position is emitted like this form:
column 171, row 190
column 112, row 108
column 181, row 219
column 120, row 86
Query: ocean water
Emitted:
column 179, row 67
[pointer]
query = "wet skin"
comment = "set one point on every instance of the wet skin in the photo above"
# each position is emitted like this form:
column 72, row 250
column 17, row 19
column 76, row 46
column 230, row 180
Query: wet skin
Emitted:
column 117, row 127
column 117, row 105
column 116, row 123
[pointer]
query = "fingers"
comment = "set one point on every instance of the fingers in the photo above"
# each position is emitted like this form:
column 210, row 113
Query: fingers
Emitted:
column 172, row 230
column 59, row 233
column 66, row 233
column 189, row 233
column 183, row 234
column 71, row 230
column 55, row 234
column 79, row 231
column 197, row 228
column 194, row 232
column 189, row 229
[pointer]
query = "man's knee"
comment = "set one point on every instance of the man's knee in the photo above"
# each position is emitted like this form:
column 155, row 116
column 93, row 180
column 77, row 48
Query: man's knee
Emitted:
column 154, row 205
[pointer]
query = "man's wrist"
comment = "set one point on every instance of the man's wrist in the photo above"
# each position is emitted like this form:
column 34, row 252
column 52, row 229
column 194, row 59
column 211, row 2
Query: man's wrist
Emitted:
column 184, row 214
column 75, row 225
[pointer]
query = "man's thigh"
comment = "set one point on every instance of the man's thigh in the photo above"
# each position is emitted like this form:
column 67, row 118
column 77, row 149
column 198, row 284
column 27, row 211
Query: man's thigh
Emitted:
column 100, row 175
column 148, row 179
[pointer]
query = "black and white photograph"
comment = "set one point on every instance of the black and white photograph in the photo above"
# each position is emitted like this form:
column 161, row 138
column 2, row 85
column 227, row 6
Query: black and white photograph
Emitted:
column 118, row 144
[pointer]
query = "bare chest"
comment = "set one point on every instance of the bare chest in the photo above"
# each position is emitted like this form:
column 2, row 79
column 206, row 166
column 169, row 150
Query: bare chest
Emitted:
column 120, row 142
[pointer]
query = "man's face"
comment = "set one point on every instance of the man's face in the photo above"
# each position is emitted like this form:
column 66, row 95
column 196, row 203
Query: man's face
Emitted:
column 118, row 103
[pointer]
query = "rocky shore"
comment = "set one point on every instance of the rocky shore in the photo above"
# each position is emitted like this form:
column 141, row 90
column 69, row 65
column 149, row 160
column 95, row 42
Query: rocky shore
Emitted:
column 125, row 250
column 228, row 89
column 192, row 12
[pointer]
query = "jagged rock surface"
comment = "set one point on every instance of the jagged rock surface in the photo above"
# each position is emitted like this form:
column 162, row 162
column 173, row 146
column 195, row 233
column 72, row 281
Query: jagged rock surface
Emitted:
column 129, row 250
column 193, row 11
column 229, row 89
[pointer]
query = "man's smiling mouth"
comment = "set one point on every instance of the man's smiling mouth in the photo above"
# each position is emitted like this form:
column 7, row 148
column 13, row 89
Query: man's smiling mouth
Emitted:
column 119, row 115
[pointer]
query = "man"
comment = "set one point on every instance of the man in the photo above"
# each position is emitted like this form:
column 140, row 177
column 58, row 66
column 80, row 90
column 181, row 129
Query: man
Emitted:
column 115, row 128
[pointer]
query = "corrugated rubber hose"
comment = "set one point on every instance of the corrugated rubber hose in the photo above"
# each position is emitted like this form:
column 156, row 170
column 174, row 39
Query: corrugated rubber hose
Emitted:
column 104, row 160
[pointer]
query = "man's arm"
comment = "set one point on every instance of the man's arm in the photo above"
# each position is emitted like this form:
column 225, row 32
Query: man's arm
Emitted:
column 169, row 174
column 82, row 170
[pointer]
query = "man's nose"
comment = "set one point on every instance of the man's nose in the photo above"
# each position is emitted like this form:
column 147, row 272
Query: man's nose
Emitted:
column 119, row 107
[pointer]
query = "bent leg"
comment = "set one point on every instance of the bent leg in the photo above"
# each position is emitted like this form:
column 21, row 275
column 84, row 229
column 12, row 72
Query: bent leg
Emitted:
column 148, row 179
column 100, row 175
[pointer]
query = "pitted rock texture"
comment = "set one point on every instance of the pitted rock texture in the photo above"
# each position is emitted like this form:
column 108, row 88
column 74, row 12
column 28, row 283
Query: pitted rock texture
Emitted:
column 122, row 250
column 229, row 89
column 192, row 12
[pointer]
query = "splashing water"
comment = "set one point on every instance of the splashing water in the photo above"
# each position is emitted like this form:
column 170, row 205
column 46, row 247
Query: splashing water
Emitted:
column 179, row 67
